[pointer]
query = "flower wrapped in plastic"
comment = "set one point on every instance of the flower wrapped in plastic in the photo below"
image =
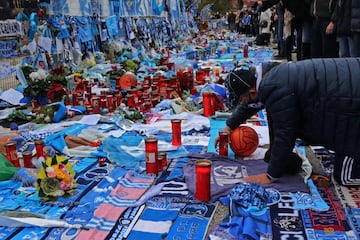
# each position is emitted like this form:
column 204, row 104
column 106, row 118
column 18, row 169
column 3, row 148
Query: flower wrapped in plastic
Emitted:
column 56, row 178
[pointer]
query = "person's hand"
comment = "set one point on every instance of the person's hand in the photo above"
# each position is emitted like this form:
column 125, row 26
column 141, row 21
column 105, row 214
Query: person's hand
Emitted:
column 276, row 17
column 260, row 179
column 330, row 28
column 217, row 139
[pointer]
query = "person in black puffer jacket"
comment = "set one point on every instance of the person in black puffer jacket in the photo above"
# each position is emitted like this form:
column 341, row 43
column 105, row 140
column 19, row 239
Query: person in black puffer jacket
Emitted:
column 315, row 100
column 355, row 26
column 342, row 19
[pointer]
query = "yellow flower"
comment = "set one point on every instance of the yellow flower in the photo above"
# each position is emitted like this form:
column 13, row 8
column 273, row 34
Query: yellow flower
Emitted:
column 55, row 178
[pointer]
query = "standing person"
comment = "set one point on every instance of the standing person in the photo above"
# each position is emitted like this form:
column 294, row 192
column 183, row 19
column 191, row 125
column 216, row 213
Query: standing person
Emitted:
column 355, row 27
column 288, row 34
column 231, row 21
column 324, row 42
column 315, row 100
column 246, row 22
column 264, row 28
column 342, row 22
column 301, row 23
column 238, row 21
column 279, row 18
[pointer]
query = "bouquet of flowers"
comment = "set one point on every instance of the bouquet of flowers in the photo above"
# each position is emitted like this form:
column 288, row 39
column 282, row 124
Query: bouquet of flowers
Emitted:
column 37, row 84
column 58, row 83
column 55, row 178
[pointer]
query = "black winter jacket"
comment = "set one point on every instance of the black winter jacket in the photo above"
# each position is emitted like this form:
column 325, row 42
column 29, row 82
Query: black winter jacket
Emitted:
column 342, row 18
column 316, row 100
column 300, row 8
column 355, row 16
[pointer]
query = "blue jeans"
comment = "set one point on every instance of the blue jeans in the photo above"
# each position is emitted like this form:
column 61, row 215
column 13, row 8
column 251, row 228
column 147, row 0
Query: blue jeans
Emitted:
column 346, row 45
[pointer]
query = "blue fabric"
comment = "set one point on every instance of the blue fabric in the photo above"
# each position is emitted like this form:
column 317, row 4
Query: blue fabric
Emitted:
column 249, row 216
column 112, row 26
column 252, row 197
column 94, row 195
column 243, row 225
column 193, row 221
column 128, row 157
column 60, row 114
column 57, row 140
column 153, row 216
column 309, row 201
column 84, row 28
column 84, row 163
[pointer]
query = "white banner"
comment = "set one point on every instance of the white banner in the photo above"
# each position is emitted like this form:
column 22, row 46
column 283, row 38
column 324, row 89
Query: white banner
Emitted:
column 10, row 27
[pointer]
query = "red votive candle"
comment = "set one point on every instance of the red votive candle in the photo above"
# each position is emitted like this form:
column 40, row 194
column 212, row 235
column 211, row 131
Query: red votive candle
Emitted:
column 203, row 171
column 95, row 101
column 223, row 143
column 39, row 146
column 27, row 157
column 151, row 154
column 131, row 101
column 207, row 104
column 34, row 104
column 11, row 154
column 176, row 132
column 163, row 155
column 110, row 102
column 159, row 163
column 246, row 49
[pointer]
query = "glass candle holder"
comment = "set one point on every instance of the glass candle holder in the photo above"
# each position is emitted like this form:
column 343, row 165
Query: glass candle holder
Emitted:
column 208, row 104
column 176, row 132
column 39, row 146
column 131, row 100
column 164, row 161
column 223, row 143
column 110, row 102
column 27, row 157
column 95, row 101
column 203, row 173
column 246, row 51
column 11, row 154
column 151, row 155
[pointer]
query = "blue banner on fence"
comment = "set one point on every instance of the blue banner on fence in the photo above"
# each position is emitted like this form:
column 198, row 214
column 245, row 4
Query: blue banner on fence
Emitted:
column 8, row 49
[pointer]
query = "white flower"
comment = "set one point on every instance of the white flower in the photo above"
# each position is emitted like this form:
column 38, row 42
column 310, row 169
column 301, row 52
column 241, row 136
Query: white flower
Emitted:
column 42, row 74
column 50, row 169
column 47, row 119
column 39, row 75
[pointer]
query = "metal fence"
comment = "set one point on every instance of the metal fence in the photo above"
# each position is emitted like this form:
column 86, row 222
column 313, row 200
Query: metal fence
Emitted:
column 10, row 81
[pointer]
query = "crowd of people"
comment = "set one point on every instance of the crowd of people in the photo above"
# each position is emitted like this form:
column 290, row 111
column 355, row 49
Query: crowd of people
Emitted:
column 313, row 29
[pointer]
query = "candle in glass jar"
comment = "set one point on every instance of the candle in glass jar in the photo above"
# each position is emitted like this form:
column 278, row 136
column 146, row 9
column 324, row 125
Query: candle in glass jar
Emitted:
column 151, row 155
column 39, row 146
column 11, row 153
column 176, row 132
column 164, row 162
column 202, row 171
column 223, row 143
column 208, row 104
column 27, row 157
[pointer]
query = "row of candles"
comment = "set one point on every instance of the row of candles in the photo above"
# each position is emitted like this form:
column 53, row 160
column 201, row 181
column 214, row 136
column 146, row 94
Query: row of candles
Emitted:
column 27, row 156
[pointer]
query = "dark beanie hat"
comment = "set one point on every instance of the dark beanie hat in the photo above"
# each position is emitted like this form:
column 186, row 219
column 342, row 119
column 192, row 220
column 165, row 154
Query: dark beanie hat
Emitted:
column 240, row 80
